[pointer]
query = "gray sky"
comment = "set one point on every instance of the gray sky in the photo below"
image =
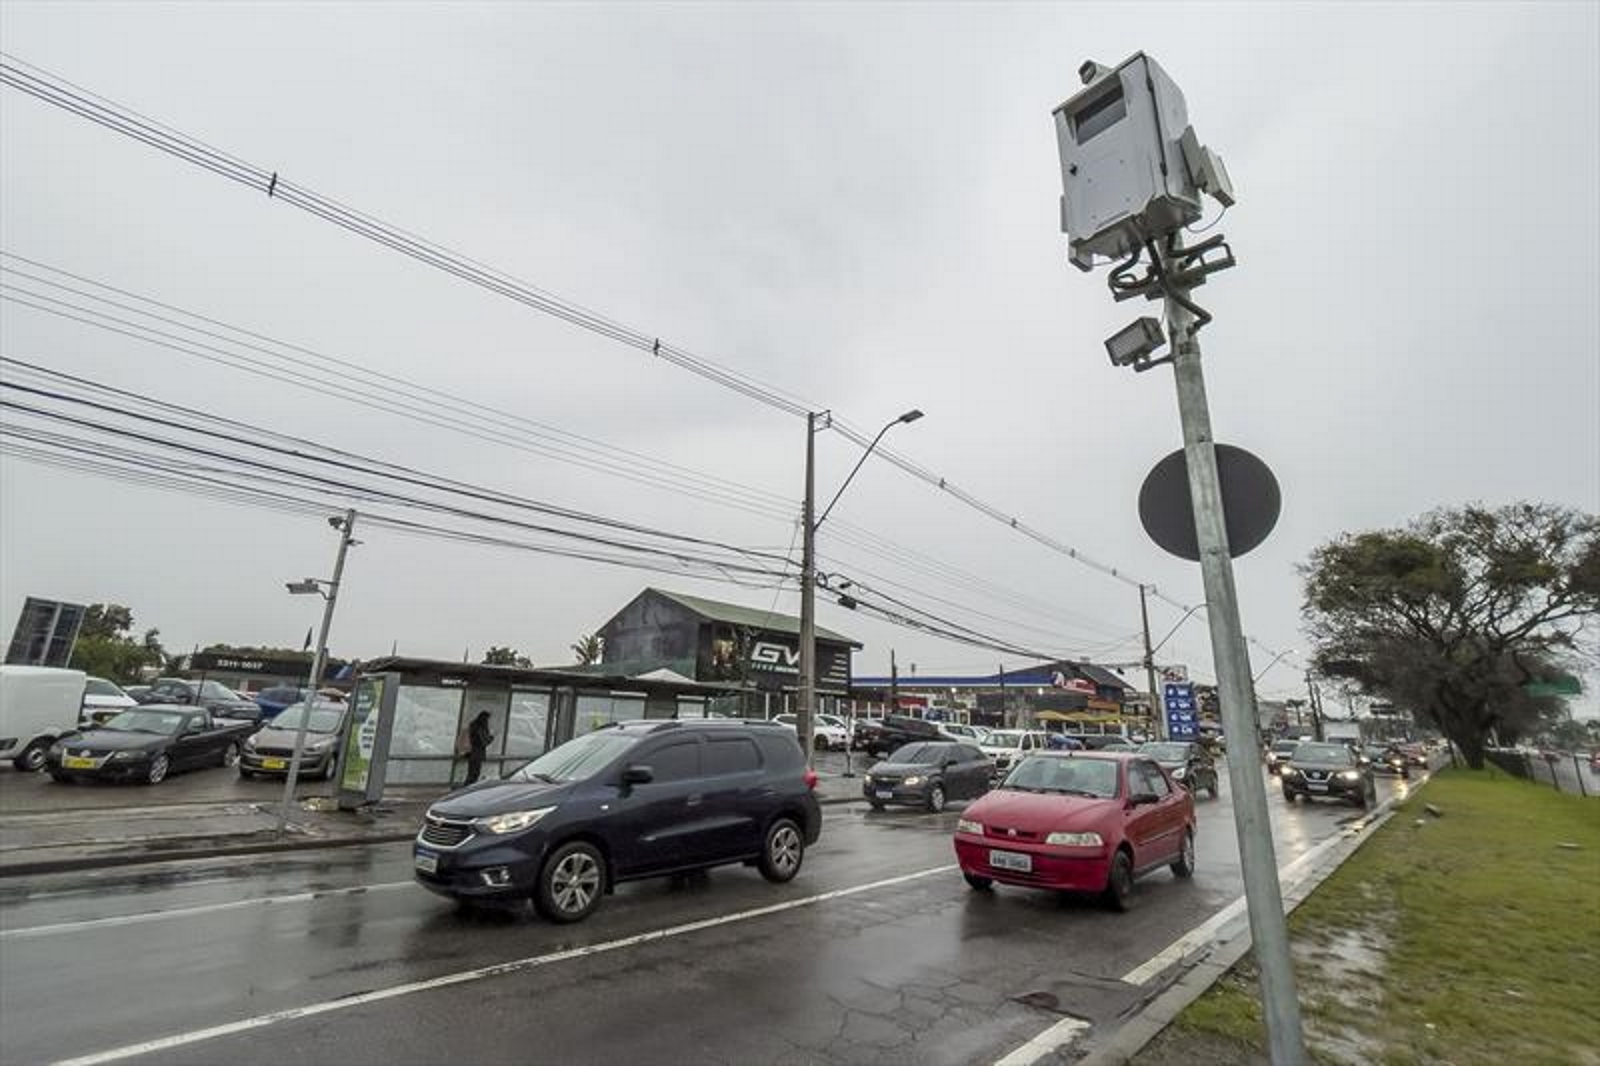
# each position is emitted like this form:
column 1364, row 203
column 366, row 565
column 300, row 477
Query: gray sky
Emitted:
column 857, row 204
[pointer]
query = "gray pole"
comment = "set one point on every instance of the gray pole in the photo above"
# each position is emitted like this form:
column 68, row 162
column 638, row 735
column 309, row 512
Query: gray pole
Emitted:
column 345, row 536
column 894, row 684
column 808, row 597
column 1269, row 930
column 1158, row 721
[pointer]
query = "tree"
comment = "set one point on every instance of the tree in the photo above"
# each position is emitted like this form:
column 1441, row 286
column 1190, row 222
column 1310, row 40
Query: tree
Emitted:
column 588, row 649
column 498, row 656
column 110, row 621
column 1455, row 615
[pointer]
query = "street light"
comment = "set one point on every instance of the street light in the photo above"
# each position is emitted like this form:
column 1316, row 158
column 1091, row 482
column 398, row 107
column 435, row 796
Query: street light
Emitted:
column 808, row 571
column 309, row 587
column 1274, row 662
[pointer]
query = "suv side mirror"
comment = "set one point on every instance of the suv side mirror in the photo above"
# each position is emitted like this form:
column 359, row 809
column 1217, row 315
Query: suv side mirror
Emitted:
column 638, row 775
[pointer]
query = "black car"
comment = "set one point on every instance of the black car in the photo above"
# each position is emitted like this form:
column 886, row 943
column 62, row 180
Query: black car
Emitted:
column 628, row 801
column 895, row 731
column 1386, row 759
column 214, row 696
column 146, row 744
column 1187, row 763
column 1328, row 771
column 927, row 773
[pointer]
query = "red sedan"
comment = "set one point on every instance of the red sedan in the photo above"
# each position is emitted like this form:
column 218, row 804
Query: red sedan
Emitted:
column 1080, row 822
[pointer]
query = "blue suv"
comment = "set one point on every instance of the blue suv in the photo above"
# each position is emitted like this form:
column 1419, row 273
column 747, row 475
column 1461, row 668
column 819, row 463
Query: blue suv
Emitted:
column 628, row 801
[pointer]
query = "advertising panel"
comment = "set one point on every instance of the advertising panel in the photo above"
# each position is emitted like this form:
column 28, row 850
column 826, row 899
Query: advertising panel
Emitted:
column 366, row 742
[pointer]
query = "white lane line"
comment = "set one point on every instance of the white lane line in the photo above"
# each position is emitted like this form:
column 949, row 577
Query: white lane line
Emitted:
column 1046, row 1042
column 260, row 1021
column 186, row 912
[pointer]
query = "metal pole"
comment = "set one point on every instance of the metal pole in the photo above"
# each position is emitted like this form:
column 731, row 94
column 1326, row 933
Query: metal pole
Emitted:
column 894, row 684
column 1269, row 930
column 808, row 597
column 345, row 536
column 1158, row 720
column 1005, row 722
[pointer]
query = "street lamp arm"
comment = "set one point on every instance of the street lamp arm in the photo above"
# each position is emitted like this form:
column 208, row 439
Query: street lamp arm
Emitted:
column 1174, row 629
column 853, row 470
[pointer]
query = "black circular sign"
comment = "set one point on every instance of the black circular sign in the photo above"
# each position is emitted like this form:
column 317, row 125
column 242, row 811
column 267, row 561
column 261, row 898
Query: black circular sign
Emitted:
column 1250, row 502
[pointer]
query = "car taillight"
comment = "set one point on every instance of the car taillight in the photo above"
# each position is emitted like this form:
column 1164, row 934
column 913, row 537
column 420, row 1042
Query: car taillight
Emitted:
column 811, row 779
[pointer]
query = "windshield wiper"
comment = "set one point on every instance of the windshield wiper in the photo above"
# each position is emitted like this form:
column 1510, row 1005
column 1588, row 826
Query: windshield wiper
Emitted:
column 1080, row 792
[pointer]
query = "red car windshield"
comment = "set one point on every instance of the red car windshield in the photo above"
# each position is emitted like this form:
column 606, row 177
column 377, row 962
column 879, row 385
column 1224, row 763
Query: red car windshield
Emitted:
column 1096, row 778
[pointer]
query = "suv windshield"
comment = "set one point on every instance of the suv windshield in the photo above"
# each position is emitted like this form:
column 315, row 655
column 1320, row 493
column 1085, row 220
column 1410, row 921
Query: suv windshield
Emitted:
column 918, row 753
column 579, row 758
column 1165, row 752
column 1075, row 777
column 1322, row 753
column 1004, row 738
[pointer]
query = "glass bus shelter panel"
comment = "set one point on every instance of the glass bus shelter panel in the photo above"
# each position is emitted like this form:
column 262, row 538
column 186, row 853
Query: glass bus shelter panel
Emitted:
column 427, row 719
column 597, row 711
column 527, row 733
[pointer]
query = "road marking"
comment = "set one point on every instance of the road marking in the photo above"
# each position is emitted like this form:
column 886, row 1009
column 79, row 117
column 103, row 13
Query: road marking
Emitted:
column 260, row 1021
column 1046, row 1042
column 185, row 912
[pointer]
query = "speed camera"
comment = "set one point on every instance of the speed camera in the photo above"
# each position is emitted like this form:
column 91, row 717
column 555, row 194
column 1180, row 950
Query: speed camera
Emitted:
column 1131, row 167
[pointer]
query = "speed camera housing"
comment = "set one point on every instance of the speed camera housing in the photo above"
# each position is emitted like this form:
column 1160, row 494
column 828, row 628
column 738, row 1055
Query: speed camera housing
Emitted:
column 1125, row 174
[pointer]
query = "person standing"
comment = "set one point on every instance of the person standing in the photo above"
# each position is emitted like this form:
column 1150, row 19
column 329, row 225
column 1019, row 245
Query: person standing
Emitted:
column 478, row 740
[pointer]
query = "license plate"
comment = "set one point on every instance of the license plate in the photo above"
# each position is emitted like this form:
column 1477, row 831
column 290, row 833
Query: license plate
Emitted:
column 1011, row 860
column 274, row 764
column 885, row 794
column 1315, row 787
column 427, row 863
column 74, row 762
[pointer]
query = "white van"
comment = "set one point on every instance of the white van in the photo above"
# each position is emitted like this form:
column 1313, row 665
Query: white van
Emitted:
column 37, row 705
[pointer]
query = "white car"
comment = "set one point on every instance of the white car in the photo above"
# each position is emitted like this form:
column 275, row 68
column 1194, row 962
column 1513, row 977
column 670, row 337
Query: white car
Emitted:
column 103, row 700
column 972, row 734
column 827, row 731
column 1006, row 746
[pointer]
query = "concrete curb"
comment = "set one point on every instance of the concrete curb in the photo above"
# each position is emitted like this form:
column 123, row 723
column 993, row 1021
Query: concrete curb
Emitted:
column 1145, row 1024
column 212, row 851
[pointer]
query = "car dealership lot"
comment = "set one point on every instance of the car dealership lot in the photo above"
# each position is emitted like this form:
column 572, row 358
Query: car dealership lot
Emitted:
column 877, row 951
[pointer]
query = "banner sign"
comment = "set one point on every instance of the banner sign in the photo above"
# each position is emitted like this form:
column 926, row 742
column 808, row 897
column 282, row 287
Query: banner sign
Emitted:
column 365, row 755
column 1183, row 714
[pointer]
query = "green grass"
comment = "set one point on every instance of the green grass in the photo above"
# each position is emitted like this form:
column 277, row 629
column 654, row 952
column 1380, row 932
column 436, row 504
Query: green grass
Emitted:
column 1493, row 932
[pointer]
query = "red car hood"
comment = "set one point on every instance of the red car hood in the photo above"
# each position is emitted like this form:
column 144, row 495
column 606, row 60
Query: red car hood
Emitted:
column 1035, row 812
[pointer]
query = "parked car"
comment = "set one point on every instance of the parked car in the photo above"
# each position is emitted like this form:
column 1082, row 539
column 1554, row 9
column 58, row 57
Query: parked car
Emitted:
column 1078, row 822
column 971, row 734
column 1120, row 745
column 897, row 730
column 1278, row 754
column 630, row 800
column 270, row 750
column 825, row 734
column 274, row 700
column 214, row 696
column 1187, row 763
column 1319, row 770
column 146, row 743
column 1006, row 746
column 927, row 773
column 37, row 705
column 1386, row 759
column 137, row 692
column 102, row 699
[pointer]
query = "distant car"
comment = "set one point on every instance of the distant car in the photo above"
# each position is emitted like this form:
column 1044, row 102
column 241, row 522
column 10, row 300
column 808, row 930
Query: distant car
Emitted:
column 1416, row 754
column 270, row 751
column 272, row 701
column 897, row 730
column 824, row 734
column 214, row 696
column 972, row 734
column 1328, row 771
column 1278, row 754
column 928, row 773
column 1007, row 746
column 627, row 801
column 146, row 743
column 102, row 699
column 1080, row 822
column 1120, row 745
column 1386, row 759
column 1187, row 763
column 137, row 692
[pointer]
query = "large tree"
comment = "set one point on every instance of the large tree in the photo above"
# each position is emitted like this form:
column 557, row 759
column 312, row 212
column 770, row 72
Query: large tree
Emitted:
column 500, row 656
column 104, row 648
column 1456, row 614
column 588, row 649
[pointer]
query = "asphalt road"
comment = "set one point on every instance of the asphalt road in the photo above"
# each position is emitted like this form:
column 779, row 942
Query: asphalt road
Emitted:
column 877, row 952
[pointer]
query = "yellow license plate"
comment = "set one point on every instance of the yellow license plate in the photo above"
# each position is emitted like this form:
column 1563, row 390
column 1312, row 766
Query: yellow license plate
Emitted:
column 74, row 762
column 274, row 764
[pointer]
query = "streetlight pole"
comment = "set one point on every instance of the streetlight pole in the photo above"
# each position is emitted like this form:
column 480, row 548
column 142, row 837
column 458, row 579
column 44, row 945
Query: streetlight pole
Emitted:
column 1158, row 719
column 1269, row 929
column 808, row 573
column 346, row 527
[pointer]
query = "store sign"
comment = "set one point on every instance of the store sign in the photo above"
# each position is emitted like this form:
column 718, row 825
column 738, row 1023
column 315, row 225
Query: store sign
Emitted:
column 45, row 633
column 1183, row 713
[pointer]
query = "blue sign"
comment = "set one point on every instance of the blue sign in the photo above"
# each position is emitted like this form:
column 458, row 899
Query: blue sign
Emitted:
column 1183, row 714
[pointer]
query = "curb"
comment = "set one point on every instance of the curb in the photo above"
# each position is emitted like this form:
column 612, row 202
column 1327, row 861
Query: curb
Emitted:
column 1145, row 1024
column 104, row 862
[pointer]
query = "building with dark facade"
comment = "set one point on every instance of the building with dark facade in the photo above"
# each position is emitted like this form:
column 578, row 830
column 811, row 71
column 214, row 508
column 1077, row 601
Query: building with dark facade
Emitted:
column 1005, row 697
column 711, row 642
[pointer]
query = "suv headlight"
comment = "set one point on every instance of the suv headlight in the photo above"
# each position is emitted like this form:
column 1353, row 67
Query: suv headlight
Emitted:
column 1181, row 772
column 966, row 825
column 913, row 781
column 511, row 821
column 1289, row 771
column 127, row 756
column 1074, row 840
column 1350, row 775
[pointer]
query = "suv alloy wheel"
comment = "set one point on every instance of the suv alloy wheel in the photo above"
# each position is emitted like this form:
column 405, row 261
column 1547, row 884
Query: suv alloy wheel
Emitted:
column 571, row 882
column 785, row 849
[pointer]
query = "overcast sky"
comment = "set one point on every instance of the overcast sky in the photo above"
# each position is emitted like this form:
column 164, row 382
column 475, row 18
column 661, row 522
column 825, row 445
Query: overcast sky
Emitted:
column 857, row 204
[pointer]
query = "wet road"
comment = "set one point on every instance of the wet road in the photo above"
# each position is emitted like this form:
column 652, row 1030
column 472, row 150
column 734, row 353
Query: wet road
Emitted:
column 877, row 952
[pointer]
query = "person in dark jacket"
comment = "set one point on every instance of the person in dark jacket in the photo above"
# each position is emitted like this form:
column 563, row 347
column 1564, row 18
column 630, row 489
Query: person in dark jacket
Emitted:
column 478, row 740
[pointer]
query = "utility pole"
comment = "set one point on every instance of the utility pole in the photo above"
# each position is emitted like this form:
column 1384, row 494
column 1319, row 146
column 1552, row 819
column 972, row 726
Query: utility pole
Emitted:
column 1005, row 718
column 894, row 684
column 808, row 597
column 1269, row 930
column 1158, row 720
column 346, row 538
